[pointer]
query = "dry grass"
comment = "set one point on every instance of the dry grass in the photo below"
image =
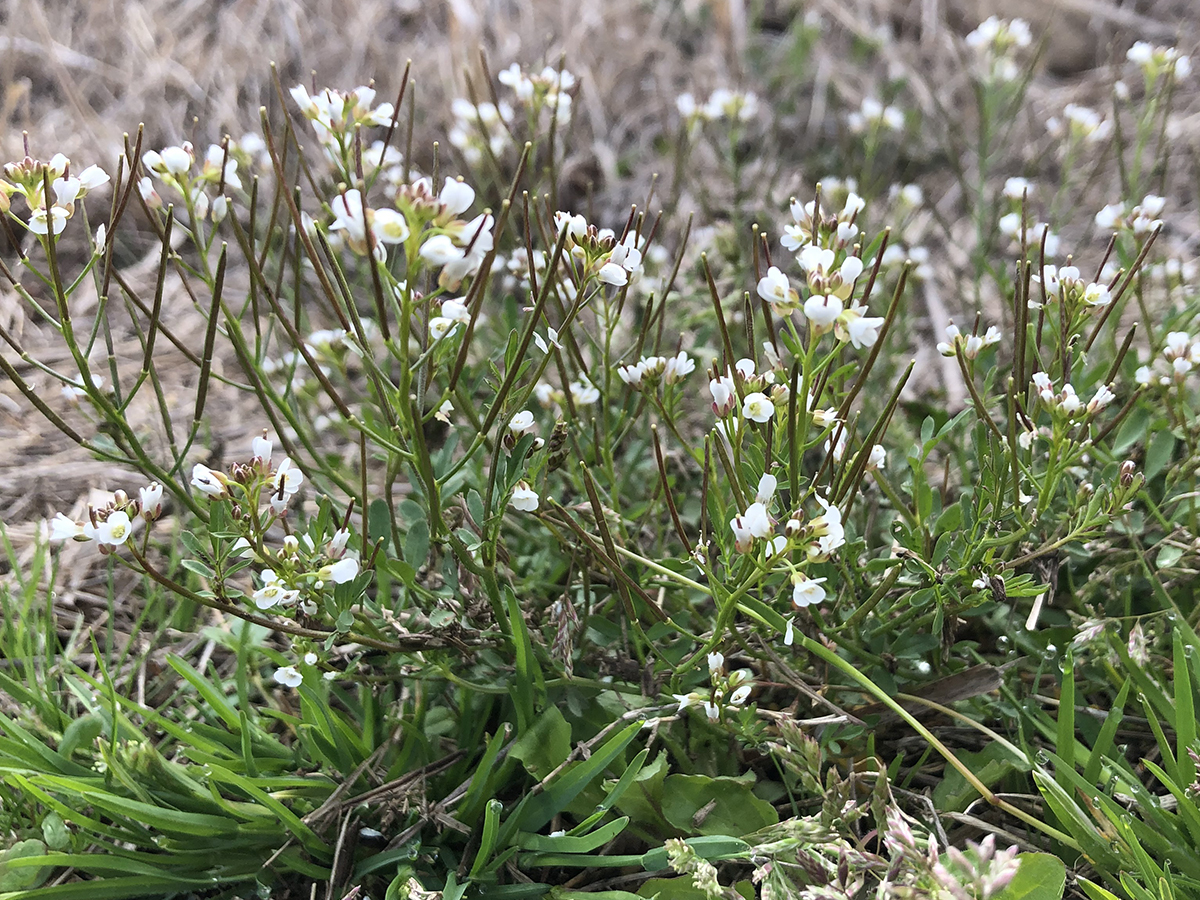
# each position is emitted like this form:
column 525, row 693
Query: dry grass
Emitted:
column 76, row 76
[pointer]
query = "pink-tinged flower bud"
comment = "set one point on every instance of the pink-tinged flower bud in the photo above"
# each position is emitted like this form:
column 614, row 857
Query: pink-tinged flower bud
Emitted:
column 723, row 394
column 1128, row 468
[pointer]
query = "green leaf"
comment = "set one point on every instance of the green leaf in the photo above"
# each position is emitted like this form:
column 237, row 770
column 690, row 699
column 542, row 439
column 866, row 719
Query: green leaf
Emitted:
column 566, row 787
column 1040, row 876
column 1158, row 453
column 55, row 831
column 213, row 695
column 80, row 733
column 529, row 680
column 697, row 804
column 562, row 843
column 416, row 543
column 990, row 764
column 200, row 568
column 475, row 507
column 21, row 878
column 546, row 745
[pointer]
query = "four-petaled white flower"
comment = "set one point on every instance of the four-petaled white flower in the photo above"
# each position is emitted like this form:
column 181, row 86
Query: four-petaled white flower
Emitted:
column 758, row 407
column 806, row 591
column 150, row 500
column 766, row 488
column 208, row 481
column 724, row 395
column 778, row 292
column 822, row 310
column 289, row 676
column 114, row 530
column 524, row 498
column 341, row 571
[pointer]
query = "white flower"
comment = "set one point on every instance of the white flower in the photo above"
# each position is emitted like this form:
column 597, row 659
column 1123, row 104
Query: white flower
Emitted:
column 863, row 331
column 775, row 289
column 261, row 448
column 41, row 220
column 524, row 498
column 1101, row 399
column 273, row 592
column 822, row 309
column 1142, row 375
column 440, row 326
column 789, row 634
column 758, row 407
column 678, row 367
column 341, row 571
column 716, row 662
column 740, row 695
column 757, row 520
column 348, row 216
column 1069, row 402
column 456, row 196
column 114, row 530
column 583, row 392
column 150, row 500
column 753, row 523
column 522, row 424
column 828, row 530
column 766, row 488
column 1016, row 188
column 64, row 529
column 287, row 478
column 389, row 226
column 208, row 481
column 877, row 459
column 173, row 160
column 806, row 591
column 723, row 394
column 289, row 676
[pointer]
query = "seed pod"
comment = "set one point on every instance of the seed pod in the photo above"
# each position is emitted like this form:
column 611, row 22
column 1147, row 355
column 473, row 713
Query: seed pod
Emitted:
column 557, row 451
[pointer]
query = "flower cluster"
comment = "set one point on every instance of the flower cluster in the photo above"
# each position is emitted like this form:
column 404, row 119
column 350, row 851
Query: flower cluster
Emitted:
column 1140, row 219
column 1158, row 61
column 648, row 371
column 28, row 179
column 1079, row 125
column 723, row 103
column 730, row 689
column 1181, row 354
column 245, row 483
column 872, row 116
column 819, row 537
column 336, row 115
column 615, row 262
column 995, row 43
column 979, row 872
column 111, row 525
column 971, row 344
column 549, row 89
column 480, row 128
column 173, row 166
column 1037, row 235
column 1065, row 284
column 485, row 128
column 1066, row 401
column 830, row 285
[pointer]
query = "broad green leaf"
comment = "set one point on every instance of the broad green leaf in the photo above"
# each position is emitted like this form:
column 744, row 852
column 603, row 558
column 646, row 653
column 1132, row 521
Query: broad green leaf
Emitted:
column 14, row 878
column 416, row 543
column 1040, row 876
column 546, row 745
column 990, row 765
column 697, row 804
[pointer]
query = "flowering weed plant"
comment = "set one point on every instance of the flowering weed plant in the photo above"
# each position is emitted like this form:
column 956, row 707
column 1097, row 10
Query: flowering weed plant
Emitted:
column 561, row 551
